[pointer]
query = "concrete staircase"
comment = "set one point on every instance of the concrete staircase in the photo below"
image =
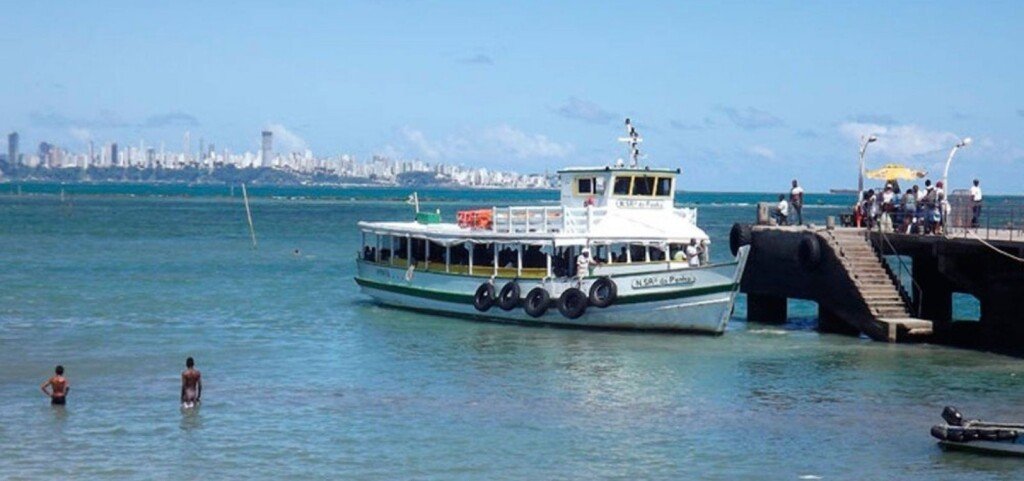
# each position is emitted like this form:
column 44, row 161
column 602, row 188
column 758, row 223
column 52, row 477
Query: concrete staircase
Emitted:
column 877, row 287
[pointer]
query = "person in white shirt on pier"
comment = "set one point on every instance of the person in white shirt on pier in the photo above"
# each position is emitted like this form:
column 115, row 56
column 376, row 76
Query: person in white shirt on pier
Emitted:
column 975, row 204
column 782, row 211
column 796, row 199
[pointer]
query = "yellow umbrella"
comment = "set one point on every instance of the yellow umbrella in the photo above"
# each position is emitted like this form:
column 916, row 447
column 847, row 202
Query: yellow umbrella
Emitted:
column 895, row 172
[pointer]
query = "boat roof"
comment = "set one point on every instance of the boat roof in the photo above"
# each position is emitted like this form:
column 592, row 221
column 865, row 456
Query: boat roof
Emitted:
column 638, row 227
column 618, row 169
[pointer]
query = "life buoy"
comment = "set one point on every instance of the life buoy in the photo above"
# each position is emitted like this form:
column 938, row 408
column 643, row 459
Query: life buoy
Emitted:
column 536, row 302
column 739, row 236
column 484, row 297
column 573, row 303
column 508, row 298
column 603, row 292
column 809, row 251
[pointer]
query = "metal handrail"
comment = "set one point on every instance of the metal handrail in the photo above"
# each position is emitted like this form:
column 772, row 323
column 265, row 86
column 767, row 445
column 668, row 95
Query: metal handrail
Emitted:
column 918, row 292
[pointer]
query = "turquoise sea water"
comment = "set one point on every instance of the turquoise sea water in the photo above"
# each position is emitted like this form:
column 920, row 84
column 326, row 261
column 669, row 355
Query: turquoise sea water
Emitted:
column 306, row 379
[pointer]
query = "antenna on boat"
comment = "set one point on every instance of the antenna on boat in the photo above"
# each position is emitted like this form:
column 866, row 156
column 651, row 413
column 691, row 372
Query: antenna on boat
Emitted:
column 414, row 199
column 633, row 140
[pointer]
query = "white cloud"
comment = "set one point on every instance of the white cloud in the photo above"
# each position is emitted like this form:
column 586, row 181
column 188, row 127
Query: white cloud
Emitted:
column 286, row 139
column 900, row 142
column 80, row 134
column 502, row 141
column 761, row 151
column 585, row 110
column 524, row 145
column 419, row 141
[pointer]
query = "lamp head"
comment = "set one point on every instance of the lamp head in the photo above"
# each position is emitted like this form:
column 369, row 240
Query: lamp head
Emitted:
column 872, row 138
column 964, row 143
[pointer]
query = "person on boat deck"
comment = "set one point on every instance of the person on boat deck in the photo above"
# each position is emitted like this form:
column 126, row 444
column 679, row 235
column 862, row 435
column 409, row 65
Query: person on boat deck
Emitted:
column 583, row 263
column 59, row 387
column 782, row 211
column 693, row 253
column 589, row 202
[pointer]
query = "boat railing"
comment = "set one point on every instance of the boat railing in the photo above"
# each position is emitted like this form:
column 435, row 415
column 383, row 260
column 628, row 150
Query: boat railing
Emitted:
column 545, row 219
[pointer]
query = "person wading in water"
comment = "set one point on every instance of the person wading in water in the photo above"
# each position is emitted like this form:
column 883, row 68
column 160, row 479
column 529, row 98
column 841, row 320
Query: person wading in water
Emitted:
column 191, row 384
column 59, row 387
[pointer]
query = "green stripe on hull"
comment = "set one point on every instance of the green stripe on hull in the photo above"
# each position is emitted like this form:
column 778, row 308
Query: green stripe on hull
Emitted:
column 468, row 298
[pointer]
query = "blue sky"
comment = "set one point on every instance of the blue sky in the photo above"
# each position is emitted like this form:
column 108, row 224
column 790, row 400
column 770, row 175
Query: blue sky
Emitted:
column 741, row 95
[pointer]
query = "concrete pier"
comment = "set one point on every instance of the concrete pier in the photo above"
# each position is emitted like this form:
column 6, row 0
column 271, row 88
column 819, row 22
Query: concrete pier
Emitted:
column 844, row 271
column 987, row 270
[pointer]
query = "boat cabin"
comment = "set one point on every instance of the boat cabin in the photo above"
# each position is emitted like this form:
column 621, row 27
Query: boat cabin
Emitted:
column 618, row 187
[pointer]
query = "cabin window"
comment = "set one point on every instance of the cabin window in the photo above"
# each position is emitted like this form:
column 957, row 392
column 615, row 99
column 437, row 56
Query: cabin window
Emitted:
column 534, row 257
column 643, row 186
column 460, row 255
column 621, row 186
column 437, row 253
column 585, row 185
column 664, row 187
column 618, row 253
column 638, row 253
column 590, row 185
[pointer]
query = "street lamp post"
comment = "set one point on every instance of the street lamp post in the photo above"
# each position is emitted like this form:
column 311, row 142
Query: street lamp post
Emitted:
column 949, row 160
column 864, row 141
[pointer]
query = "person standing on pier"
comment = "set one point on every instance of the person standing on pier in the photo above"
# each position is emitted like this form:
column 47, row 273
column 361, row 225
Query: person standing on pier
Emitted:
column 58, row 387
column 796, row 199
column 975, row 204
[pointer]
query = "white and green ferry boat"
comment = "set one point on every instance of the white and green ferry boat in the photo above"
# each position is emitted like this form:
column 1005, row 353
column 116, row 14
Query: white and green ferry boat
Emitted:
column 522, row 263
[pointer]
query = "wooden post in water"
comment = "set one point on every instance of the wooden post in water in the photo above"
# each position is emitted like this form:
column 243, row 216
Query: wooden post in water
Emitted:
column 248, row 215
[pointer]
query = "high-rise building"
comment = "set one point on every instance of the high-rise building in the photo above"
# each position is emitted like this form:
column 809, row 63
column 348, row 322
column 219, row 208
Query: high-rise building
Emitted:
column 114, row 161
column 45, row 150
column 268, row 138
column 12, row 148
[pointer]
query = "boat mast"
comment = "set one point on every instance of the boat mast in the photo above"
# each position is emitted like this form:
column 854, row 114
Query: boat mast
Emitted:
column 633, row 140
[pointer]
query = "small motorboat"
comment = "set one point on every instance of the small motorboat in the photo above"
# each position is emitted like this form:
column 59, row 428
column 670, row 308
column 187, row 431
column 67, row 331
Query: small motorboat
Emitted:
column 957, row 433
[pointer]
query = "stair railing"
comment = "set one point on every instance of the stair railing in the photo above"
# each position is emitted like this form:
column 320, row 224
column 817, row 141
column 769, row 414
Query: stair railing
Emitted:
column 896, row 276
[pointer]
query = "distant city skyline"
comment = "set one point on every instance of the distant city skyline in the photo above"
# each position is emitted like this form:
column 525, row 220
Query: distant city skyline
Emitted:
column 49, row 159
column 740, row 96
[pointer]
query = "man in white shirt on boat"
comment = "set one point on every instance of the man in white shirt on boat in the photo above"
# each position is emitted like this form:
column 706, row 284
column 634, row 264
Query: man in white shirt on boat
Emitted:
column 583, row 263
column 693, row 253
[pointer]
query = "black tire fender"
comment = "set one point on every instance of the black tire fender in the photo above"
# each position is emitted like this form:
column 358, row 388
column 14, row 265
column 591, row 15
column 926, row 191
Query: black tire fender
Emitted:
column 572, row 303
column 809, row 251
column 508, row 297
column 484, row 297
column 536, row 302
column 603, row 292
column 740, row 235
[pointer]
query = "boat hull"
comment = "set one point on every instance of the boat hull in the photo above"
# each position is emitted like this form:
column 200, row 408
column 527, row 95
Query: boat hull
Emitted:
column 688, row 300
